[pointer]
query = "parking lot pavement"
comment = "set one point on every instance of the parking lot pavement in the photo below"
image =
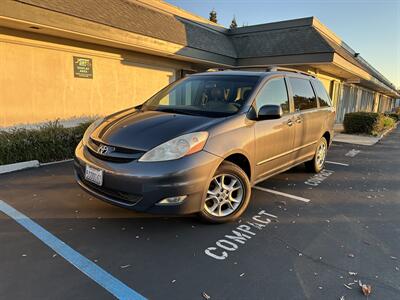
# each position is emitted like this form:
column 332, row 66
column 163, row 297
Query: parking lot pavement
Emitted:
column 299, row 238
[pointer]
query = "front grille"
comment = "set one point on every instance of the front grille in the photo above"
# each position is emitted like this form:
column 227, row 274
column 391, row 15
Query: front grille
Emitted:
column 118, row 155
column 117, row 149
column 110, row 158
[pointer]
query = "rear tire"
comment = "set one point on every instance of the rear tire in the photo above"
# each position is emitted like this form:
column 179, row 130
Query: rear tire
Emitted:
column 228, row 195
column 317, row 164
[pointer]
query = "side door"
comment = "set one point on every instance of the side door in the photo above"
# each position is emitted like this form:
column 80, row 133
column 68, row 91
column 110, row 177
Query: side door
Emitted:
column 273, row 138
column 307, row 122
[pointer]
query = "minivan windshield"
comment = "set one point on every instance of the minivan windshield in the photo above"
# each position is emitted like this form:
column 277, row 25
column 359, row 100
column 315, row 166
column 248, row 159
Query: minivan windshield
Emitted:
column 207, row 95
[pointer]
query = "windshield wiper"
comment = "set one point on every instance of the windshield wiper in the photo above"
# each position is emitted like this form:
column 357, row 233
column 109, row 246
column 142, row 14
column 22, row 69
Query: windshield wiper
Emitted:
column 179, row 111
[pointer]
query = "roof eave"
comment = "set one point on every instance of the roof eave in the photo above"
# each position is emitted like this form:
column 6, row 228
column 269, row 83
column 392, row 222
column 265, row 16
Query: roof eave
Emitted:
column 362, row 74
column 73, row 28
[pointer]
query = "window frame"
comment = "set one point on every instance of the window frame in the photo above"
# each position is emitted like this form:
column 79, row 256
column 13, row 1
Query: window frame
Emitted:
column 314, row 83
column 292, row 95
column 263, row 85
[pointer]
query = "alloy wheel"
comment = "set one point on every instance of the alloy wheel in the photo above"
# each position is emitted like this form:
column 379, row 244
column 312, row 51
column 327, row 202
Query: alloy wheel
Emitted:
column 320, row 155
column 224, row 195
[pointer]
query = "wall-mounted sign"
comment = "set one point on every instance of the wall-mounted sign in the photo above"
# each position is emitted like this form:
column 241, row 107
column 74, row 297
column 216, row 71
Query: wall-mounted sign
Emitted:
column 83, row 67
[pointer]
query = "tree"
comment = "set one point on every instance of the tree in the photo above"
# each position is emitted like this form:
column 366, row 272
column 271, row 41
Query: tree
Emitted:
column 213, row 16
column 233, row 23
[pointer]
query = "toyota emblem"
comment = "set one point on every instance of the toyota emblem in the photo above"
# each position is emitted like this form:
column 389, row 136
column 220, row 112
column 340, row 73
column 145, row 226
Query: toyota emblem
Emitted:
column 103, row 150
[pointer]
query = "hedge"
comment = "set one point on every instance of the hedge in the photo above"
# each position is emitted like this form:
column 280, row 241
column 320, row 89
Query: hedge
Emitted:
column 367, row 123
column 394, row 116
column 50, row 142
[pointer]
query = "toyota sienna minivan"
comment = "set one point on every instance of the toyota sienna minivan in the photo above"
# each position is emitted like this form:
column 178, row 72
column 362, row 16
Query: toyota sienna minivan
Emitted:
column 201, row 143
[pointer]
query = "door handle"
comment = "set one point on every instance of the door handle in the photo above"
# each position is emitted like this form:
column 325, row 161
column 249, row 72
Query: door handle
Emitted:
column 290, row 122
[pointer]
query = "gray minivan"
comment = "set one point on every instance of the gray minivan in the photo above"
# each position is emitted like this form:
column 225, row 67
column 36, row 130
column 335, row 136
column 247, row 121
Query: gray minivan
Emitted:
column 201, row 143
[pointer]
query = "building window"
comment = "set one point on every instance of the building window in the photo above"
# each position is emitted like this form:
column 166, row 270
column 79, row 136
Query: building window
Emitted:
column 303, row 94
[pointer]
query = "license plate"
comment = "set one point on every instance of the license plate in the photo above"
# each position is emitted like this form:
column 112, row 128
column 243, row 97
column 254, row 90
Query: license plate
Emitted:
column 94, row 175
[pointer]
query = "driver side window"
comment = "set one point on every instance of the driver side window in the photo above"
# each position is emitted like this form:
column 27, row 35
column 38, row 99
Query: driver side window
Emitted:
column 274, row 92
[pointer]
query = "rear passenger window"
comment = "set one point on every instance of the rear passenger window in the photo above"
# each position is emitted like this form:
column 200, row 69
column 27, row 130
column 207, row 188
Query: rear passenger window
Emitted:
column 303, row 94
column 274, row 92
column 322, row 95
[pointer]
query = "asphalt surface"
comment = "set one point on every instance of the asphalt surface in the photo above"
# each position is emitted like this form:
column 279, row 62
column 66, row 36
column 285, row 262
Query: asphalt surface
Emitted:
column 350, row 224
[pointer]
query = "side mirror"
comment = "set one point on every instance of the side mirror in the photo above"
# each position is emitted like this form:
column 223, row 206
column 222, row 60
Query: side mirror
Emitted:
column 269, row 112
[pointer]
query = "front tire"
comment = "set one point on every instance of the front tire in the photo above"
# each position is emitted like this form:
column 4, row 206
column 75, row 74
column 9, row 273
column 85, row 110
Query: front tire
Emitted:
column 228, row 194
column 317, row 164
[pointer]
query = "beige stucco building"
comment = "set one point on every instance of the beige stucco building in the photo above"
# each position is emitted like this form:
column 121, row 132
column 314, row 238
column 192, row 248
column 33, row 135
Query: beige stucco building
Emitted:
column 71, row 59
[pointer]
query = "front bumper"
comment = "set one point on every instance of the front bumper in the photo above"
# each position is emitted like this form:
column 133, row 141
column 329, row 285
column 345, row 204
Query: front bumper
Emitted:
column 141, row 185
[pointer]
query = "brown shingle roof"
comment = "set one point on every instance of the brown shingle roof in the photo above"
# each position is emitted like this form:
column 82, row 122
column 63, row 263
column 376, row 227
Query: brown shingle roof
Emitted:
column 133, row 17
column 293, row 37
column 277, row 42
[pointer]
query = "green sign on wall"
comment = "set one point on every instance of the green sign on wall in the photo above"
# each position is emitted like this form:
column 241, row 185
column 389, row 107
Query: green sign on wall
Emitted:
column 83, row 67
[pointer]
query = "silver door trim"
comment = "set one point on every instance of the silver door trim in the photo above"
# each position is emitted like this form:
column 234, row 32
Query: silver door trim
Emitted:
column 285, row 153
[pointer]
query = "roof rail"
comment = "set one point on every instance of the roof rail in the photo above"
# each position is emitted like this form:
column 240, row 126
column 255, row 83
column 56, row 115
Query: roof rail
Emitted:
column 277, row 68
column 272, row 69
column 217, row 69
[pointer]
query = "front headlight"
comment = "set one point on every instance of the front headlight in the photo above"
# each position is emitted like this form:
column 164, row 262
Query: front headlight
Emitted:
column 177, row 147
column 90, row 130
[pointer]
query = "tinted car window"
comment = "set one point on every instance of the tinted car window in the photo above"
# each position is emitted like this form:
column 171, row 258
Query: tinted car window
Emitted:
column 207, row 95
column 274, row 92
column 303, row 94
column 322, row 95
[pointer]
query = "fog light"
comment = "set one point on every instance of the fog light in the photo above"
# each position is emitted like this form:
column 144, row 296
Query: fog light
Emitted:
column 172, row 200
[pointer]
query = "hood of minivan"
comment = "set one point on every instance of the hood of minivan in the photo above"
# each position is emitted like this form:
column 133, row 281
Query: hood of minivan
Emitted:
column 144, row 130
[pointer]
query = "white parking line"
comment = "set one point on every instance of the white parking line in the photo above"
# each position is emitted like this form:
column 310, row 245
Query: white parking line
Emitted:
column 281, row 194
column 352, row 153
column 336, row 163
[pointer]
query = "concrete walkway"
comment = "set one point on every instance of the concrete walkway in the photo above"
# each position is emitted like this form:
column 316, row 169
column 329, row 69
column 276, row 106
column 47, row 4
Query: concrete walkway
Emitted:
column 364, row 140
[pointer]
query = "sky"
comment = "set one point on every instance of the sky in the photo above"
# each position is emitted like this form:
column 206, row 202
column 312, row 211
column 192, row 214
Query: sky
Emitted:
column 370, row 27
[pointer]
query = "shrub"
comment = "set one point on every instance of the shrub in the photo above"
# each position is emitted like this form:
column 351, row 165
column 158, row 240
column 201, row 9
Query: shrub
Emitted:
column 364, row 122
column 395, row 114
column 389, row 121
column 50, row 142
column 367, row 122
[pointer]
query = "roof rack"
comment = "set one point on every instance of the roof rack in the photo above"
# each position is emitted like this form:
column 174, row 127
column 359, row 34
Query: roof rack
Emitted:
column 273, row 69
column 217, row 69
column 277, row 68
column 267, row 69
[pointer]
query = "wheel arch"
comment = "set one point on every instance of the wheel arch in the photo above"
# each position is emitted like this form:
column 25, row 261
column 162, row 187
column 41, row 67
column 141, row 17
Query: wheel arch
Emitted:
column 327, row 136
column 242, row 161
